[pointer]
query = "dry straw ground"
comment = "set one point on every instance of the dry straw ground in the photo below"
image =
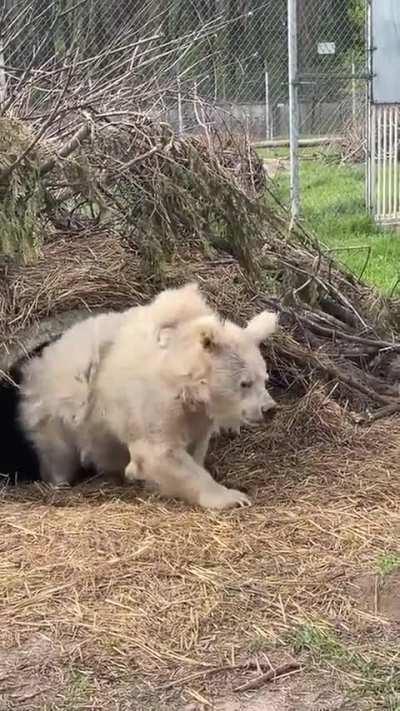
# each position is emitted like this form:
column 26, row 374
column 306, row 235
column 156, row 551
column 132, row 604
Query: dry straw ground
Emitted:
column 113, row 600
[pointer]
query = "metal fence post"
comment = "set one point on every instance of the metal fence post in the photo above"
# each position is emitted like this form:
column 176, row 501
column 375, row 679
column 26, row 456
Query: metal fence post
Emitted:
column 179, row 107
column 353, row 93
column 293, row 110
column 267, row 110
column 370, row 118
column 3, row 80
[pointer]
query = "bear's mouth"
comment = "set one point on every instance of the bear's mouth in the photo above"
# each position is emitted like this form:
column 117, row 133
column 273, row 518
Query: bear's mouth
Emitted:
column 252, row 421
column 264, row 418
column 269, row 415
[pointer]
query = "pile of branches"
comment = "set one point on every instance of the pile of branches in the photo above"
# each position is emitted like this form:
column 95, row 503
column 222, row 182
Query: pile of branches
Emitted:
column 131, row 172
column 102, row 204
column 84, row 142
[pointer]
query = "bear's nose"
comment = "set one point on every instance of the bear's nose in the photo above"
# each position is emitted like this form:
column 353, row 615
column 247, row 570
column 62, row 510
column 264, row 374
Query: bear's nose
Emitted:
column 269, row 412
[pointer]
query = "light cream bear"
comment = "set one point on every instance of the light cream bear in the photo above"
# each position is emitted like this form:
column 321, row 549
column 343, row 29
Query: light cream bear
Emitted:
column 143, row 391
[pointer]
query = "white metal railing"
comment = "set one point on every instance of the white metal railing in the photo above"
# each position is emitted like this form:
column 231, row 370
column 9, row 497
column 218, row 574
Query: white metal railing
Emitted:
column 383, row 163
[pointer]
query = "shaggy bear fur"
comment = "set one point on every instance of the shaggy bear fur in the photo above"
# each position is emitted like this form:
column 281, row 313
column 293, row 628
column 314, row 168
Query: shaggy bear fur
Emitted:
column 143, row 391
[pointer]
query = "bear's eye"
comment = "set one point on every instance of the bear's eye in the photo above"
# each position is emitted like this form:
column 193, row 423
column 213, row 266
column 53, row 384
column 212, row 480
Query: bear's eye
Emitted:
column 246, row 384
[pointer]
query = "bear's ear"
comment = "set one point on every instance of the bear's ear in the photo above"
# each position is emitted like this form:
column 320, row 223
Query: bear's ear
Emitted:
column 190, row 289
column 262, row 326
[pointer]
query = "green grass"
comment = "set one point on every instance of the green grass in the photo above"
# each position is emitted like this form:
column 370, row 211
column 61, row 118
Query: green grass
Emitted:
column 77, row 691
column 389, row 563
column 282, row 152
column 366, row 675
column 332, row 202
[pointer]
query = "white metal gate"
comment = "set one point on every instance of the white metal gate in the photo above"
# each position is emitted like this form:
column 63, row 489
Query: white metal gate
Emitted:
column 383, row 168
column 383, row 171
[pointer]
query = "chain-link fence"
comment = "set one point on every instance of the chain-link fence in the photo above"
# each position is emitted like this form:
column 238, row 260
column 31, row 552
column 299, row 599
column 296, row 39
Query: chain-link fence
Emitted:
column 207, row 61
column 332, row 65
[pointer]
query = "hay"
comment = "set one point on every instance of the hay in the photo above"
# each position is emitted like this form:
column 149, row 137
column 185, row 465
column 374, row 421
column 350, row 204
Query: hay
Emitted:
column 158, row 601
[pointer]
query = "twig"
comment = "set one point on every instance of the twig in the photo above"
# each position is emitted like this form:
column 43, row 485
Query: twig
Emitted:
column 66, row 149
column 247, row 666
column 379, row 414
column 31, row 695
column 271, row 675
column 338, row 374
column 200, row 120
column 355, row 248
column 394, row 287
column 337, row 333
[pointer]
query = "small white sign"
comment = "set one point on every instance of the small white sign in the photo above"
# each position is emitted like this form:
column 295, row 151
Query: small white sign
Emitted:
column 326, row 47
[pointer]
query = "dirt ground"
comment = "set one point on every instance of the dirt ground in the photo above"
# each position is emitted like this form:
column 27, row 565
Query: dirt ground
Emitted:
column 111, row 599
